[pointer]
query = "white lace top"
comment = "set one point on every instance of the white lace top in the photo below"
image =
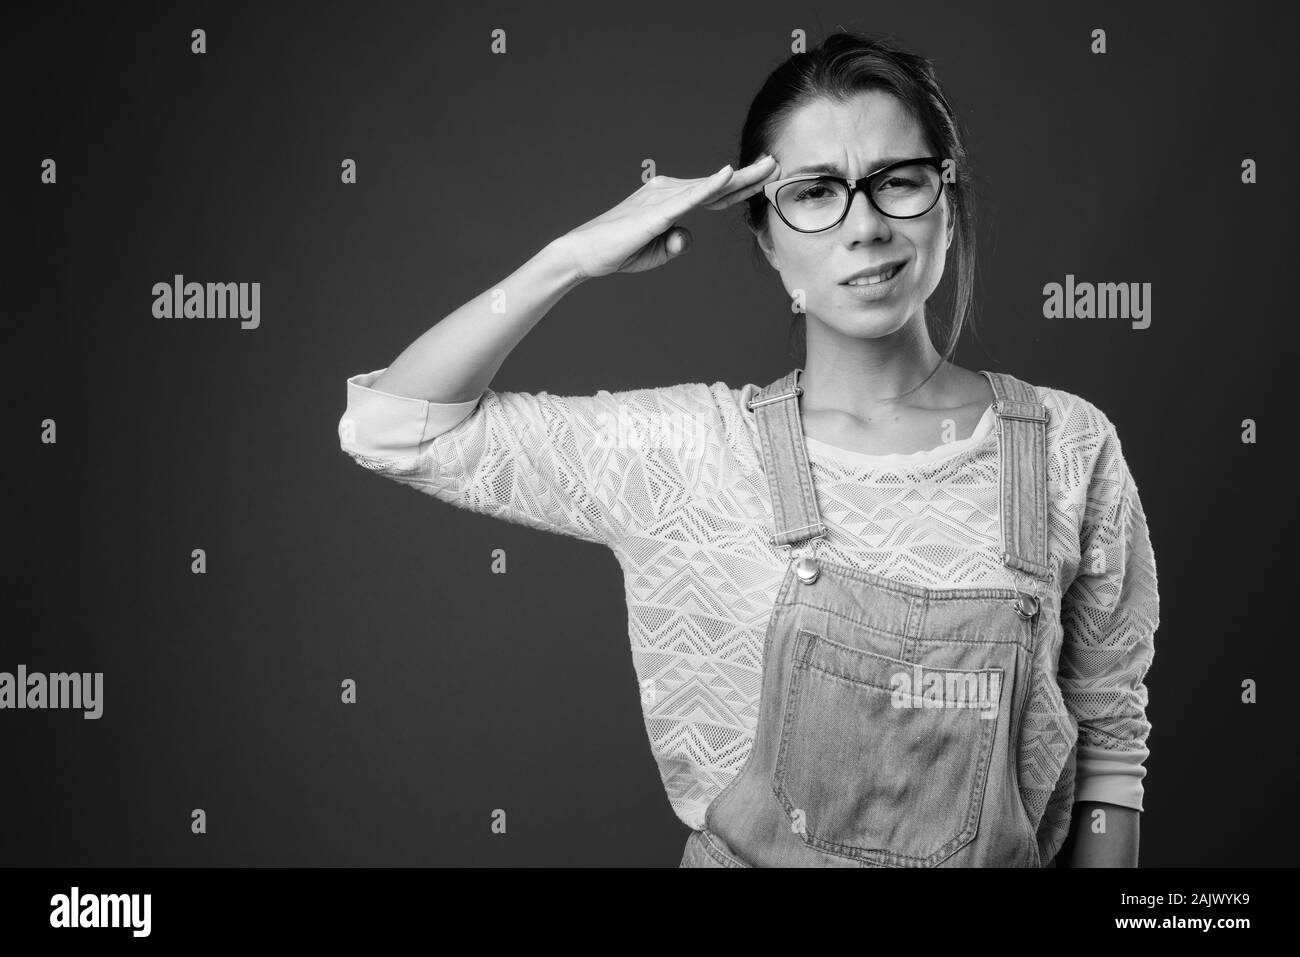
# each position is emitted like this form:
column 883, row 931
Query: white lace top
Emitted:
column 670, row 479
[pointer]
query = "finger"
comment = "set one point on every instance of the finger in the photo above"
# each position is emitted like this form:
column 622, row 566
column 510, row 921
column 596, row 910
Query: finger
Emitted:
column 694, row 193
column 677, row 241
column 767, row 160
column 737, row 193
column 738, row 196
column 763, row 166
column 727, row 176
column 708, row 190
column 667, row 246
column 758, row 170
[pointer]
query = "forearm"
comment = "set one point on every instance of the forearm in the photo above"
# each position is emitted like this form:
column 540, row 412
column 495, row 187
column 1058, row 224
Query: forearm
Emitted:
column 455, row 360
column 1109, row 839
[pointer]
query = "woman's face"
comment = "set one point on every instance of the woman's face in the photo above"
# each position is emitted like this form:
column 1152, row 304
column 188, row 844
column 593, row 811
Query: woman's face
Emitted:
column 857, row 137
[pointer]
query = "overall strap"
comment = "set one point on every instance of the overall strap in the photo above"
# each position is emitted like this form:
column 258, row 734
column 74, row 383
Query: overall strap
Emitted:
column 785, row 460
column 1022, row 463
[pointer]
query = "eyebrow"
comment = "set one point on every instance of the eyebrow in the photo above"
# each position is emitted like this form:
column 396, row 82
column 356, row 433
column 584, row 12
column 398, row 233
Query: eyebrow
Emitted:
column 835, row 169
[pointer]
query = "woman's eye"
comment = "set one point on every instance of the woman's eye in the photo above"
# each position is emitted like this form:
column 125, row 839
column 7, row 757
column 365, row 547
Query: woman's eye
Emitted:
column 816, row 191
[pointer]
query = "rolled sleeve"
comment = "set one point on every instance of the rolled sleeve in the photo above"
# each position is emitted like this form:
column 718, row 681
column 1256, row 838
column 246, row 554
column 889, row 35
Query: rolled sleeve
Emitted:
column 379, row 424
column 1110, row 778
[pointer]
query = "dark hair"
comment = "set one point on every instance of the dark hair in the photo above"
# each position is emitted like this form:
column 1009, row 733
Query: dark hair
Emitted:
column 845, row 64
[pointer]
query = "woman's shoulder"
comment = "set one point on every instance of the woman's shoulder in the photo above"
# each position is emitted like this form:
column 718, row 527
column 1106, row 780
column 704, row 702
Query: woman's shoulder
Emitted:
column 1081, row 437
column 1085, row 461
column 1070, row 414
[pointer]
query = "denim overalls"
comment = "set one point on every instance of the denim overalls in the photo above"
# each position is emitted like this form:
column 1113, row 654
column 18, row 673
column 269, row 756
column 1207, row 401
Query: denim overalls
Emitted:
column 890, row 728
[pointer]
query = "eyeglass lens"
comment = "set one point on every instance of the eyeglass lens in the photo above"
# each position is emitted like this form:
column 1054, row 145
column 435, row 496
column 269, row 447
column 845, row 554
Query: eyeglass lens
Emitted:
column 903, row 191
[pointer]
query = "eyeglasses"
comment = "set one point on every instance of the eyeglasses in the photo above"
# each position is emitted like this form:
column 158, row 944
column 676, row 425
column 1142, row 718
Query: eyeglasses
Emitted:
column 813, row 202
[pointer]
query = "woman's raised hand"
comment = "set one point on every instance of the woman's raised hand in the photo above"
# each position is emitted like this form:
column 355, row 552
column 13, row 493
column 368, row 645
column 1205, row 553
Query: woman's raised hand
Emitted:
column 640, row 233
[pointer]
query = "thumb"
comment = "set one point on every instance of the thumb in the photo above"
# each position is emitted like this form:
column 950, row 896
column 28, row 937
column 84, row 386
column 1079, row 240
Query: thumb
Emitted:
column 677, row 241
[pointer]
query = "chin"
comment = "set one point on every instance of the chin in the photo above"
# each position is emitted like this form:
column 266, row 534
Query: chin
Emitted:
column 867, row 323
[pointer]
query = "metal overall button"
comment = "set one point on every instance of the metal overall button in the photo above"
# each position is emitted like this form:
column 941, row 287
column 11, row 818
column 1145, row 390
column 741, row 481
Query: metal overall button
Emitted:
column 806, row 565
column 1027, row 606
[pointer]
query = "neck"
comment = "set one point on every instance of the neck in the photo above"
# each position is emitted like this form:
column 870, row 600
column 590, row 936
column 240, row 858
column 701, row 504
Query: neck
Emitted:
column 862, row 376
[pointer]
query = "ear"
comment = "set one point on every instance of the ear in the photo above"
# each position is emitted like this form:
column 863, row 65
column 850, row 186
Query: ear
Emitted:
column 764, row 238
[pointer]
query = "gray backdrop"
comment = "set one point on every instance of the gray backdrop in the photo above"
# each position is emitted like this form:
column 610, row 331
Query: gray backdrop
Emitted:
column 481, row 691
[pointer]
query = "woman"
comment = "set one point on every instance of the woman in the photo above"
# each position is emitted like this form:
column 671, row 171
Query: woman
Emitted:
column 885, row 611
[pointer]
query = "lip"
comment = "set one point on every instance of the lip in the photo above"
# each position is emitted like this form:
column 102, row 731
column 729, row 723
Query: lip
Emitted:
column 877, row 291
column 872, row 271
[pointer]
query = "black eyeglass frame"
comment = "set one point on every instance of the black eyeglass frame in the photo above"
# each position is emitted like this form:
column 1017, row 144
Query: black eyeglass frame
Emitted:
column 864, row 184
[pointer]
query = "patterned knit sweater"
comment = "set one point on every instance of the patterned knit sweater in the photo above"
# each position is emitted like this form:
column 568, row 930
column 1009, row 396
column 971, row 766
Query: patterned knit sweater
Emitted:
column 671, row 480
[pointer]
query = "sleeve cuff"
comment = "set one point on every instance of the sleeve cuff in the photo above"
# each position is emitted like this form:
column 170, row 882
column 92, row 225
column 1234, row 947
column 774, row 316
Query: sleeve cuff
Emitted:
column 1110, row 777
column 383, row 423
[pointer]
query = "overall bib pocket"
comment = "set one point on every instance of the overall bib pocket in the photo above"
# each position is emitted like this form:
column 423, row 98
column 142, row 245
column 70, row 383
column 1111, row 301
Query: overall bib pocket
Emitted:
column 883, row 760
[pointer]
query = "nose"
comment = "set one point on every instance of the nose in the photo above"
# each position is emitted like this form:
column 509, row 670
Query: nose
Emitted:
column 863, row 221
